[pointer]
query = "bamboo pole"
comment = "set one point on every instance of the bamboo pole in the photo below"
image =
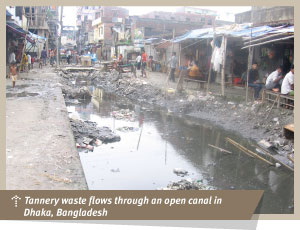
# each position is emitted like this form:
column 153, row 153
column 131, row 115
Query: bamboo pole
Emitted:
column 223, row 66
column 277, row 98
column 238, row 146
column 264, row 38
column 250, row 57
column 262, row 43
column 249, row 151
column 210, row 65
column 220, row 149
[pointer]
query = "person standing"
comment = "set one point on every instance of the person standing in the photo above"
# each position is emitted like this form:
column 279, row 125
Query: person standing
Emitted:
column 173, row 65
column 69, row 55
column 12, row 57
column 52, row 57
column 29, row 61
column 13, row 73
column 138, row 61
column 44, row 56
column 144, row 63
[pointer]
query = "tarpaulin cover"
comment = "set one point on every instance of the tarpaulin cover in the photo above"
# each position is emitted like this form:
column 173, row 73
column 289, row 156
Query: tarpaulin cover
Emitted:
column 18, row 30
column 235, row 30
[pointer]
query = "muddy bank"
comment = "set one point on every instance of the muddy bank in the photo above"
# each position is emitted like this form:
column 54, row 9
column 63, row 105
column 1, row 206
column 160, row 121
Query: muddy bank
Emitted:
column 252, row 120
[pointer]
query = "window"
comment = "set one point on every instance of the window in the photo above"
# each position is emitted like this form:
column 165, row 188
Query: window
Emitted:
column 97, row 15
column 202, row 19
column 156, row 16
column 188, row 19
column 209, row 22
column 172, row 18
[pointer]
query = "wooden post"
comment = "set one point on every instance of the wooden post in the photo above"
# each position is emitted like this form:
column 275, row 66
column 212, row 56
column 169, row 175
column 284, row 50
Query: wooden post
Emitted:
column 250, row 57
column 179, row 57
column 61, row 30
column 223, row 65
column 173, row 41
column 210, row 65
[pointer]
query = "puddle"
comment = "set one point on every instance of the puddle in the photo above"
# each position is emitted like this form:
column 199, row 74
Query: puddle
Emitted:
column 23, row 94
column 20, row 86
column 145, row 158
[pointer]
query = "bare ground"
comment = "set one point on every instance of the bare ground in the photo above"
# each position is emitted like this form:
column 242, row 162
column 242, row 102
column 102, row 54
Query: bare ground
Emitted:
column 40, row 146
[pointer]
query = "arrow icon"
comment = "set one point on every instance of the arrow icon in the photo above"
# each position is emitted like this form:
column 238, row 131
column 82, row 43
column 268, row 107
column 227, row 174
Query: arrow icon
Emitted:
column 16, row 198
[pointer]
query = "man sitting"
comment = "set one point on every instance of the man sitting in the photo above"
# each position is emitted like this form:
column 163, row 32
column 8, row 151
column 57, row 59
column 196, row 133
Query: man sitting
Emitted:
column 274, row 80
column 288, row 82
column 253, row 80
column 194, row 72
column 287, row 86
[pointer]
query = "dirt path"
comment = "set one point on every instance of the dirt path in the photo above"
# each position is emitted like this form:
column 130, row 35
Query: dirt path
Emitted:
column 40, row 146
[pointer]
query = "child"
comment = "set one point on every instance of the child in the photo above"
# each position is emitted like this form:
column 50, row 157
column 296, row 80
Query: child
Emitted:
column 13, row 73
column 40, row 63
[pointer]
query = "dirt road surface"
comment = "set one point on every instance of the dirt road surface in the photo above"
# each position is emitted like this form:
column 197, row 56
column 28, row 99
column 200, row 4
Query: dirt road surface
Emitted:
column 40, row 148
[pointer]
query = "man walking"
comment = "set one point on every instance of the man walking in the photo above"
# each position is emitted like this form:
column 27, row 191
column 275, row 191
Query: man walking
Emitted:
column 173, row 65
column 144, row 63
column 44, row 56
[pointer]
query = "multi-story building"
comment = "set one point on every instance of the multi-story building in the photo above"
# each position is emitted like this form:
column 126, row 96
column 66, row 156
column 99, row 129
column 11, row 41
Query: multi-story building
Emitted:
column 85, row 17
column 68, row 37
column 109, row 28
column 41, row 21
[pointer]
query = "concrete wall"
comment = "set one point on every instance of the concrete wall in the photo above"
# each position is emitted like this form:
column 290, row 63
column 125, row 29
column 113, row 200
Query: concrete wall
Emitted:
column 267, row 15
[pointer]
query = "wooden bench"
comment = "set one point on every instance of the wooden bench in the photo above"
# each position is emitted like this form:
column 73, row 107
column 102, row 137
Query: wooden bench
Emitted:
column 277, row 98
column 200, row 83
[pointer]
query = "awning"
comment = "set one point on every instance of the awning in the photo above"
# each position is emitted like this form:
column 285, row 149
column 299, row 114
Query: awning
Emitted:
column 236, row 30
column 37, row 38
column 11, row 26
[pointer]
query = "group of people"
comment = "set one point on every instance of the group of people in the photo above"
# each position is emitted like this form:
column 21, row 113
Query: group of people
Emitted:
column 275, row 81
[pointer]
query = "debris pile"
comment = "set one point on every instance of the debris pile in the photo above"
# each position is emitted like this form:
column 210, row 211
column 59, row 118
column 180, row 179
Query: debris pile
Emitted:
column 87, row 134
column 127, row 129
column 180, row 172
column 72, row 93
column 124, row 114
column 187, row 184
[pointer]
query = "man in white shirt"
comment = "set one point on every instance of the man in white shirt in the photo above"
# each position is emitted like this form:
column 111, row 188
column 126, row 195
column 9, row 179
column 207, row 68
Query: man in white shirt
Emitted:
column 12, row 57
column 138, row 61
column 29, row 60
column 288, row 82
column 274, row 79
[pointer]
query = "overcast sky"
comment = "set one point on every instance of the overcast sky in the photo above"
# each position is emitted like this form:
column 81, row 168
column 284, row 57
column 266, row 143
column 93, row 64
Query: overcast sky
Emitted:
column 70, row 11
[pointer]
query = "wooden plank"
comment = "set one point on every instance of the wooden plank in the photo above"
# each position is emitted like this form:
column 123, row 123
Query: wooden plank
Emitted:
column 290, row 127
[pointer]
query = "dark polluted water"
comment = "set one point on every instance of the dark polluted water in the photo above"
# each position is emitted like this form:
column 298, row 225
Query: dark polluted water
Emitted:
column 156, row 142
